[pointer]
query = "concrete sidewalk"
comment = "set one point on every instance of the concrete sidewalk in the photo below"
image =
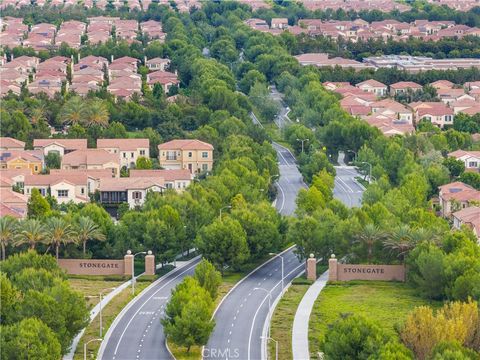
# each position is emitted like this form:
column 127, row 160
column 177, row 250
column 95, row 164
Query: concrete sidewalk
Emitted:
column 302, row 316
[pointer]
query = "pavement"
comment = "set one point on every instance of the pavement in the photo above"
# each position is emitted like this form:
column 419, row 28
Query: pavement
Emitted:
column 347, row 189
column 289, row 183
column 241, row 316
column 300, row 349
column 282, row 119
column 136, row 332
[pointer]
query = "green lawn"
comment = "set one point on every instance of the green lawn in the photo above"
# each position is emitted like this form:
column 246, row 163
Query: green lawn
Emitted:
column 282, row 321
column 388, row 303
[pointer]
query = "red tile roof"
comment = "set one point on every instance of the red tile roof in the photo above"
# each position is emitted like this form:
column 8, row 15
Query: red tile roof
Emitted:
column 186, row 144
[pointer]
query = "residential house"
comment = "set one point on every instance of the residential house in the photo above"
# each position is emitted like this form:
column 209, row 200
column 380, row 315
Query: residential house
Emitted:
column 164, row 78
column 127, row 150
column 436, row 112
column 64, row 188
column 191, row 154
column 59, row 146
column 91, row 159
column 22, row 159
column 456, row 196
column 178, row 180
column 157, row 64
column 442, row 84
column 15, row 176
column 12, row 203
column 8, row 143
column 279, row 23
column 393, row 109
column 373, row 86
column 403, row 87
column 471, row 159
column 469, row 217
column 130, row 190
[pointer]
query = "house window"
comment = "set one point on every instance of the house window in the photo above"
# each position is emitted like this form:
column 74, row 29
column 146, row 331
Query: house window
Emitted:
column 473, row 164
column 142, row 152
column 171, row 155
column 62, row 193
column 36, row 168
column 205, row 154
column 82, row 191
column 204, row 167
column 124, row 155
column 190, row 154
column 448, row 118
column 131, row 155
column 137, row 195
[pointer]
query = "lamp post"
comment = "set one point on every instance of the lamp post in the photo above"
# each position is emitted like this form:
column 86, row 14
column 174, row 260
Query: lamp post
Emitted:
column 269, row 292
column 281, row 257
column 302, row 141
column 85, row 347
column 370, row 173
column 129, row 252
column 276, row 344
column 225, row 207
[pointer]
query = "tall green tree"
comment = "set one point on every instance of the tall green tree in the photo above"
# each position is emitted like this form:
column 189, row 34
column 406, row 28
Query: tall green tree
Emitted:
column 87, row 229
column 8, row 233
column 208, row 277
column 59, row 232
column 73, row 111
column 224, row 243
column 37, row 206
column 32, row 233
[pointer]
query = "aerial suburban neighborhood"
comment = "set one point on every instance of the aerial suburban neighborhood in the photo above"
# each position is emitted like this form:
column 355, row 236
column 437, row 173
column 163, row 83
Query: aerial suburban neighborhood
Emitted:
column 242, row 179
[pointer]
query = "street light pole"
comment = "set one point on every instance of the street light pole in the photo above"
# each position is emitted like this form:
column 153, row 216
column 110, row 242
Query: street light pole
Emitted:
column 85, row 347
column 133, row 268
column 276, row 344
column 225, row 207
column 281, row 258
column 302, row 141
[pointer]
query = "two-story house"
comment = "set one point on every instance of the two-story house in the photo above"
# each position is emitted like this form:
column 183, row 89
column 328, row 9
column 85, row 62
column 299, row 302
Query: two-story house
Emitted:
column 91, row 159
column 59, row 146
column 8, row 143
column 191, row 154
column 63, row 187
column 130, row 190
column 471, row 159
column 373, row 86
column 127, row 150
column 24, row 159
column 456, row 196
column 177, row 180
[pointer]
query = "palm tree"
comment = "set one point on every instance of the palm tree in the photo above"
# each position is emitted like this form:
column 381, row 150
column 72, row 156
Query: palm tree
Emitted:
column 59, row 232
column 32, row 232
column 400, row 241
column 369, row 235
column 38, row 114
column 96, row 113
column 87, row 229
column 73, row 111
column 7, row 232
column 428, row 235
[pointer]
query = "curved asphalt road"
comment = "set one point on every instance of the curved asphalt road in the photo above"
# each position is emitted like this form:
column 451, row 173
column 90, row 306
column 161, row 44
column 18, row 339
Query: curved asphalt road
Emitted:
column 347, row 189
column 241, row 317
column 138, row 333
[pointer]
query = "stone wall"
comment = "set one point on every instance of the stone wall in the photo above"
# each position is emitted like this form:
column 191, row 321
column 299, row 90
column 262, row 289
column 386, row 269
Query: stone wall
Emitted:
column 347, row 272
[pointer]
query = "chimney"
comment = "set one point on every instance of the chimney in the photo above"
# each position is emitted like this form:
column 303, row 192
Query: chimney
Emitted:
column 78, row 57
column 11, row 56
column 111, row 58
column 145, row 60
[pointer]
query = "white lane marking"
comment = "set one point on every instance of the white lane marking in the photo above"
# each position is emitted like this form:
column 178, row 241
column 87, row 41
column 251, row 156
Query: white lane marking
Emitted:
column 136, row 313
column 283, row 197
column 260, row 306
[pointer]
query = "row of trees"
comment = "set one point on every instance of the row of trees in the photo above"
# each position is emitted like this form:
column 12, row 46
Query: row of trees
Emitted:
column 189, row 312
column 450, row 333
column 40, row 313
